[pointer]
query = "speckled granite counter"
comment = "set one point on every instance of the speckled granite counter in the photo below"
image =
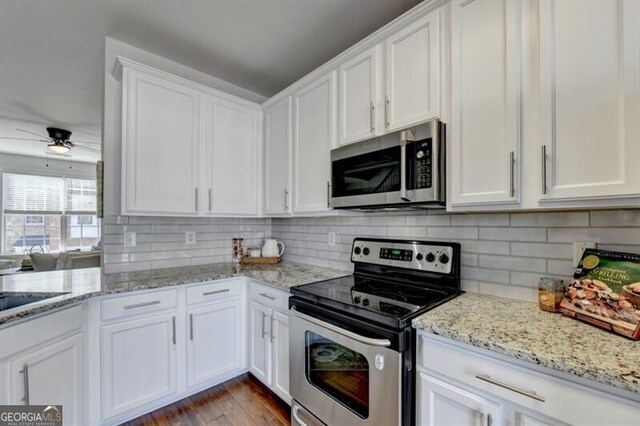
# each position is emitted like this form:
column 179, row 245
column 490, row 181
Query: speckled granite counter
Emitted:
column 522, row 331
column 81, row 284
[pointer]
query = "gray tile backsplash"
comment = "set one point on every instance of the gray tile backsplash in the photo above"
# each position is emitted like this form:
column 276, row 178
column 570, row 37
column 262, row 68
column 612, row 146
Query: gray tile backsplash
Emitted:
column 503, row 254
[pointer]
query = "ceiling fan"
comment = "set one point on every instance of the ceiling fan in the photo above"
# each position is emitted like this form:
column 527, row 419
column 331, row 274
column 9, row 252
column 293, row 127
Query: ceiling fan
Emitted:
column 59, row 141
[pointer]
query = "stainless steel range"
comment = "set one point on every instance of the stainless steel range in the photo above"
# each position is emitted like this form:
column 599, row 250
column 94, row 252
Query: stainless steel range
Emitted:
column 352, row 344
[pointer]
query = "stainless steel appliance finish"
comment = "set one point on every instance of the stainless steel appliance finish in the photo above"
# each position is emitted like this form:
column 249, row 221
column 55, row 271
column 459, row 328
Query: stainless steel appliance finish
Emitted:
column 352, row 347
column 402, row 169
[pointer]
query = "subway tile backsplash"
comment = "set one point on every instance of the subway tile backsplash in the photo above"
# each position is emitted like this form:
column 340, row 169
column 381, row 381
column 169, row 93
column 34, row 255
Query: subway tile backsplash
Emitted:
column 502, row 254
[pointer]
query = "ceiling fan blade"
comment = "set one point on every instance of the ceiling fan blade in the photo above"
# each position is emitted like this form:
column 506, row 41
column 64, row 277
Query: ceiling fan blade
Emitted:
column 87, row 148
column 23, row 139
column 32, row 133
column 75, row 142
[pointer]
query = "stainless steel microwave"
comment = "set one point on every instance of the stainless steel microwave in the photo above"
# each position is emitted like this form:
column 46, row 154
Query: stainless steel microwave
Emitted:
column 402, row 169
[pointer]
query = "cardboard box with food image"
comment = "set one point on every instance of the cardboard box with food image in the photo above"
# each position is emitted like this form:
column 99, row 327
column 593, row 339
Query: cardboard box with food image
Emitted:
column 605, row 292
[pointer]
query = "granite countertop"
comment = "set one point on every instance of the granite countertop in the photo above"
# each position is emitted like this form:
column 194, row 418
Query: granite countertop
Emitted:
column 522, row 331
column 81, row 284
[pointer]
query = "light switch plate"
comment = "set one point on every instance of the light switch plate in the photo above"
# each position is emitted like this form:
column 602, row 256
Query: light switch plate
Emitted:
column 129, row 239
column 579, row 248
column 331, row 238
column 190, row 237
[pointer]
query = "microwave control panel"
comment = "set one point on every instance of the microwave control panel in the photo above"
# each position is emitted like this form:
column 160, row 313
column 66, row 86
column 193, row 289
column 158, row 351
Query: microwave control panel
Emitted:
column 423, row 163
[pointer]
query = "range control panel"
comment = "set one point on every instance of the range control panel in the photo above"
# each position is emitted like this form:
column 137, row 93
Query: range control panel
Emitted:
column 418, row 255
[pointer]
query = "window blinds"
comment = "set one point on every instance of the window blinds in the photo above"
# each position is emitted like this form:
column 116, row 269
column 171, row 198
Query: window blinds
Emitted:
column 48, row 195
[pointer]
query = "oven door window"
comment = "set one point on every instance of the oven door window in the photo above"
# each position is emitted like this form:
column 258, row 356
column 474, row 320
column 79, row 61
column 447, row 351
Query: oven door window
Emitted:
column 338, row 371
column 370, row 173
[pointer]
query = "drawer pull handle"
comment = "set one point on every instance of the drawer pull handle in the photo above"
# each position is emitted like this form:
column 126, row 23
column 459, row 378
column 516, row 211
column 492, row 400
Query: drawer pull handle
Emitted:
column 267, row 296
column 209, row 293
column 142, row 305
column 488, row 379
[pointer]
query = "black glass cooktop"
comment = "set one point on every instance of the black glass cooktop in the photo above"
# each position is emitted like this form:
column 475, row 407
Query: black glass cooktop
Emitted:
column 362, row 294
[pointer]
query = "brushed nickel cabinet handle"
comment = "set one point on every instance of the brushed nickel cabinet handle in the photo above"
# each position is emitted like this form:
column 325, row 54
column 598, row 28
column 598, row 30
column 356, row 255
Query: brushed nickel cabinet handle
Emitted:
column 488, row 379
column 196, row 191
column 142, row 305
column 286, row 201
column 328, row 194
column 372, row 117
column 512, row 167
column 264, row 333
column 173, row 325
column 25, row 383
column 273, row 337
column 209, row 199
column 544, row 169
column 209, row 293
column 268, row 296
column 387, row 102
column 489, row 419
column 191, row 327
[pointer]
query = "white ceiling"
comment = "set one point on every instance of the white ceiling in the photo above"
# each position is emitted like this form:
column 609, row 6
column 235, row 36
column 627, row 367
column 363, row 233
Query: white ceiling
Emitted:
column 51, row 51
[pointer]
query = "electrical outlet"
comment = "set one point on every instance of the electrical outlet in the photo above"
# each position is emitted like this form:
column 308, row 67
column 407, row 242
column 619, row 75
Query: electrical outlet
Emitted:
column 190, row 237
column 331, row 238
column 129, row 239
column 579, row 248
column 267, row 233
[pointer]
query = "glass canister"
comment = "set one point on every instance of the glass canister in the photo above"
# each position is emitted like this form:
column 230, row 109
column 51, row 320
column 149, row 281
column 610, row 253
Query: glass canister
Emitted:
column 550, row 294
column 236, row 250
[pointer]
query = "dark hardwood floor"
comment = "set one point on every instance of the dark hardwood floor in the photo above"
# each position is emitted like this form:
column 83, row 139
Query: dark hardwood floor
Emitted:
column 240, row 401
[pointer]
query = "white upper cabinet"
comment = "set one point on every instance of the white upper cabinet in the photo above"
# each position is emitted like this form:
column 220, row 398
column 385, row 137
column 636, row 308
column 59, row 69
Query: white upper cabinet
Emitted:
column 231, row 169
column 412, row 58
column 589, row 99
column 160, row 142
column 485, row 86
column 359, row 89
column 314, row 110
column 277, row 155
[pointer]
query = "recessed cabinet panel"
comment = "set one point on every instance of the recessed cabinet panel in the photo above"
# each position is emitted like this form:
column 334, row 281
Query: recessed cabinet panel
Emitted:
column 159, row 146
column 589, row 98
column 259, row 341
column 359, row 88
column 412, row 57
column 314, row 127
column 231, row 159
column 485, row 145
column 277, row 152
column 280, row 342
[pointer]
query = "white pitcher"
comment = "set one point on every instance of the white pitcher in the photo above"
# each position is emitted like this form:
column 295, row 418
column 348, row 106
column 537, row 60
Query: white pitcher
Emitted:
column 270, row 248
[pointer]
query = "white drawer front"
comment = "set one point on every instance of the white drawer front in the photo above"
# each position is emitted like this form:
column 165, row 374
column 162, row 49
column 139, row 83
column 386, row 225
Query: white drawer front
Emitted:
column 142, row 303
column 270, row 296
column 213, row 291
column 553, row 397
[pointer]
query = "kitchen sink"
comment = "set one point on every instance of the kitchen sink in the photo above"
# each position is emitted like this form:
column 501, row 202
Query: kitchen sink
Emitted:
column 12, row 300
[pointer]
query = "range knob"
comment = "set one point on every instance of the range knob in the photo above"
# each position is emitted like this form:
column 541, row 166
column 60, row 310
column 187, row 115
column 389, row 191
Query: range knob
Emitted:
column 444, row 258
column 419, row 256
column 356, row 250
column 430, row 257
column 365, row 302
column 365, row 251
column 356, row 300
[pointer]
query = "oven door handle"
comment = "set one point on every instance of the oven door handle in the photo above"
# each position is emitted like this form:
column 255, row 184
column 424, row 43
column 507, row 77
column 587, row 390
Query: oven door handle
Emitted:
column 346, row 333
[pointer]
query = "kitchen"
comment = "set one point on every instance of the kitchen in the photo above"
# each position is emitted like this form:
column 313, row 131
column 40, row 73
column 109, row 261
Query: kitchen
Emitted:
column 422, row 180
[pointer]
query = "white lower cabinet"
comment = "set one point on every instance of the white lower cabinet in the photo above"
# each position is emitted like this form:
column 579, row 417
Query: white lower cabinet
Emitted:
column 139, row 362
column 463, row 385
column 269, row 338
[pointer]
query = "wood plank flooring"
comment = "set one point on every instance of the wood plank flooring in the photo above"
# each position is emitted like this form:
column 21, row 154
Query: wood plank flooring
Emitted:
column 238, row 402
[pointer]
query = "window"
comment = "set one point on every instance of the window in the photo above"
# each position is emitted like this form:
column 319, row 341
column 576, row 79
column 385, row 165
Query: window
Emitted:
column 48, row 213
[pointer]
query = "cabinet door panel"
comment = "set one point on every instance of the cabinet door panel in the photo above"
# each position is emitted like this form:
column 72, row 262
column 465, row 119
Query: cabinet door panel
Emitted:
column 412, row 58
column 441, row 403
column 277, row 151
column 215, row 341
column 314, row 127
column 55, row 377
column 259, row 342
column 590, row 98
column 160, row 146
column 280, row 354
column 231, row 159
column 485, row 108
column 359, row 83
column 145, row 347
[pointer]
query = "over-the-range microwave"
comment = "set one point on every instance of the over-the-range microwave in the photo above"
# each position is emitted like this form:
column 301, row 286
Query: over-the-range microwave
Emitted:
column 402, row 169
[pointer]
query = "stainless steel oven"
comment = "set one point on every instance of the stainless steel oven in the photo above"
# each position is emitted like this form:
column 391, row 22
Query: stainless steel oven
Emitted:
column 400, row 169
column 346, row 374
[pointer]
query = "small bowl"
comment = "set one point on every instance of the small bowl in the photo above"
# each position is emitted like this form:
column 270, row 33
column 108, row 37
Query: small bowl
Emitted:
column 633, row 297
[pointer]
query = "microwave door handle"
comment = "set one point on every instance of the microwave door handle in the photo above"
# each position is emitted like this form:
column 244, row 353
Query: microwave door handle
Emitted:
column 405, row 137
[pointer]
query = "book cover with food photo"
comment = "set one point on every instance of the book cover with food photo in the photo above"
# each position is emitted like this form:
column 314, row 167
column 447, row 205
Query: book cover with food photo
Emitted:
column 605, row 292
